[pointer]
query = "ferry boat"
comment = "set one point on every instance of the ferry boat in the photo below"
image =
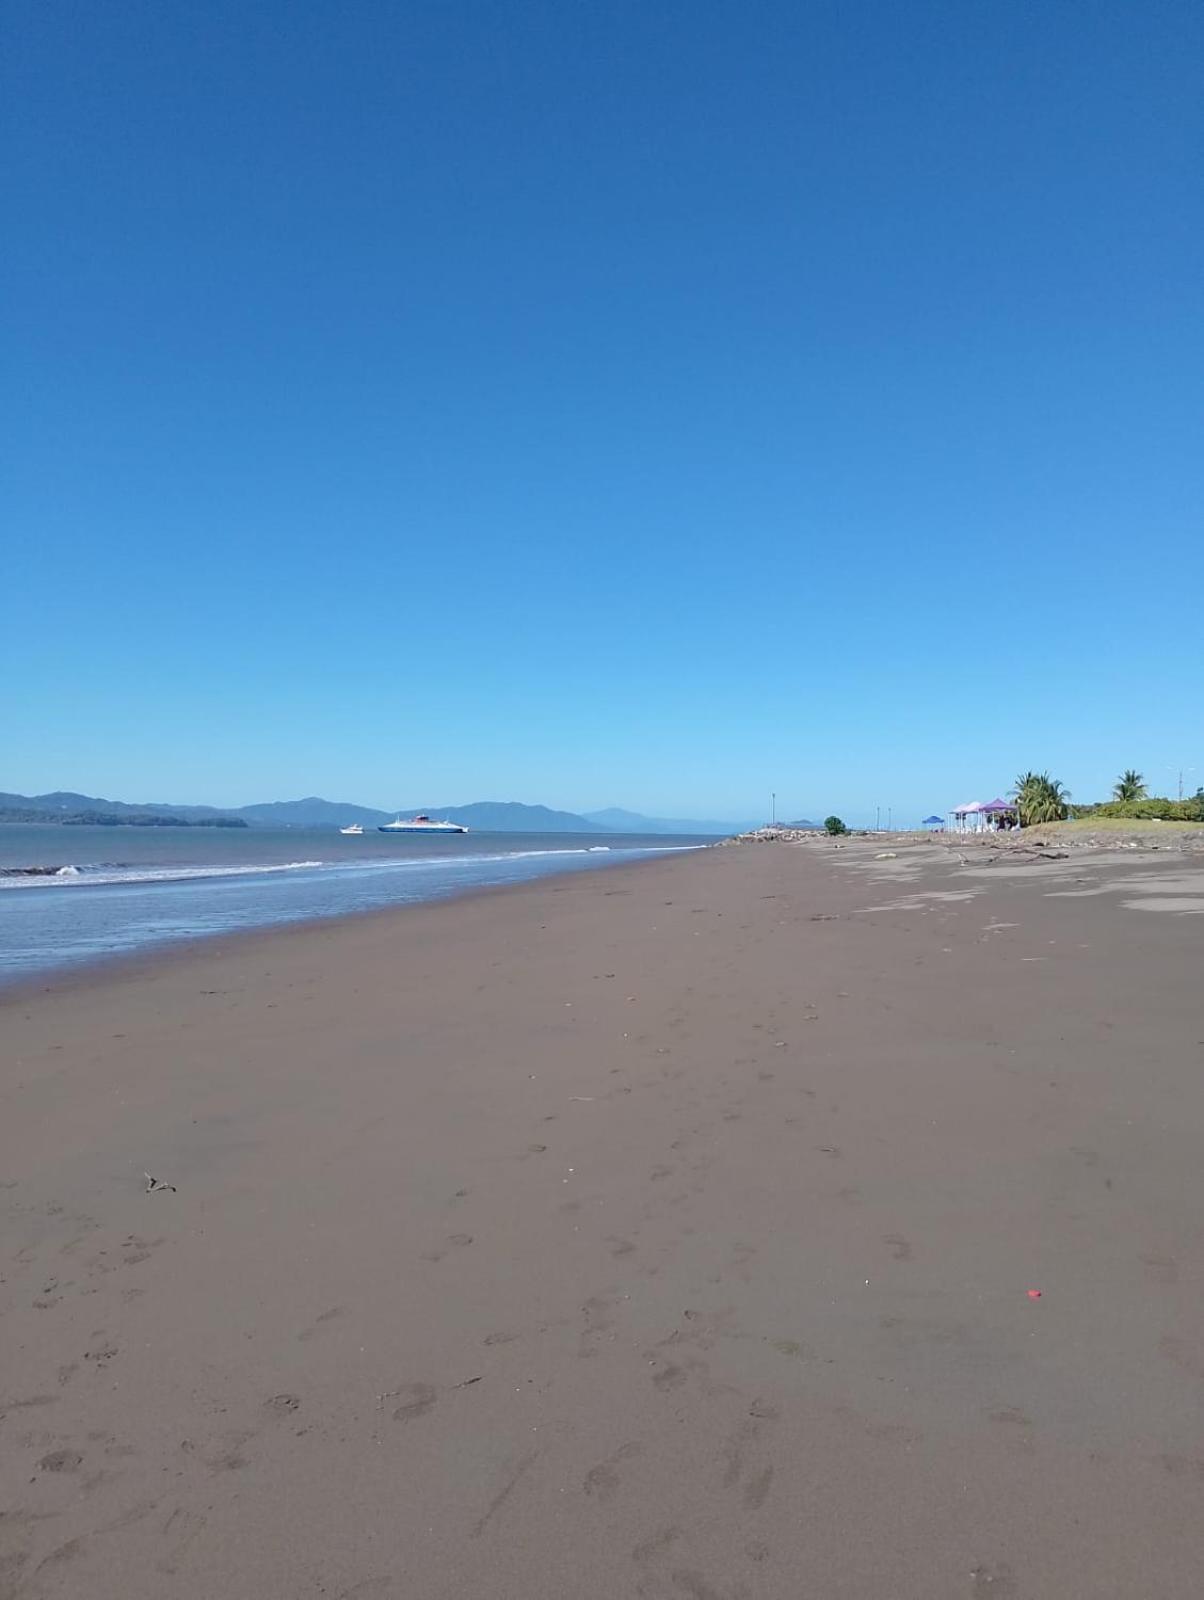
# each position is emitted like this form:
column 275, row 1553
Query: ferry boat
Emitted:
column 421, row 824
column 353, row 828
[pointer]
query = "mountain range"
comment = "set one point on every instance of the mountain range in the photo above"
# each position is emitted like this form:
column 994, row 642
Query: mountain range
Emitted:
column 484, row 816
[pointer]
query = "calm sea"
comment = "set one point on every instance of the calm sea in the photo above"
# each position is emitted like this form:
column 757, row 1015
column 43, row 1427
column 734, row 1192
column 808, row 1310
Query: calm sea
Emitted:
column 119, row 890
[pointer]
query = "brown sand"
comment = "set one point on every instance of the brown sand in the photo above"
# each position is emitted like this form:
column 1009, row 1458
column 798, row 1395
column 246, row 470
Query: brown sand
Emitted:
column 663, row 1232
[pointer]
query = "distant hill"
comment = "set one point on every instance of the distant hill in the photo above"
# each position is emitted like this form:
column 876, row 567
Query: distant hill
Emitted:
column 311, row 813
column 63, row 803
column 509, row 816
column 615, row 820
column 803, row 823
column 484, row 816
column 130, row 818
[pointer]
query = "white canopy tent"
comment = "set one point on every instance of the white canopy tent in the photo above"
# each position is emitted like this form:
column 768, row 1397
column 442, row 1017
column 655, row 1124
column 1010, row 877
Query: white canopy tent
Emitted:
column 970, row 818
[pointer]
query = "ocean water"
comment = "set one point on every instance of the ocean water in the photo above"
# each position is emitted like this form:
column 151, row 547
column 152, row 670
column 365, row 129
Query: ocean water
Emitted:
column 115, row 891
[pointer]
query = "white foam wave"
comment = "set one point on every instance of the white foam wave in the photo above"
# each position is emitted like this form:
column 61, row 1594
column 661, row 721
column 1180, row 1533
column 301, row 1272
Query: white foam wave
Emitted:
column 86, row 876
column 112, row 874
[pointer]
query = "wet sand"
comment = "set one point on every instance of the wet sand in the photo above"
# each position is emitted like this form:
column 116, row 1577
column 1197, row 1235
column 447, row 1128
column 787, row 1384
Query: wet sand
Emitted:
column 774, row 1222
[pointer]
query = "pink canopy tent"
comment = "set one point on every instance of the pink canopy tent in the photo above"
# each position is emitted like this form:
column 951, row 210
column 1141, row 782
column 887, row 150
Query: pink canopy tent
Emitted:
column 976, row 816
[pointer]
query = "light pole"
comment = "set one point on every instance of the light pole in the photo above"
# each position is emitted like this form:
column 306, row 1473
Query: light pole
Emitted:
column 1181, row 771
column 773, row 809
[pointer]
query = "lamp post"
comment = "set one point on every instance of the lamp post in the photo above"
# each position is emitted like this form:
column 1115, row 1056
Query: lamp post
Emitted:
column 1181, row 771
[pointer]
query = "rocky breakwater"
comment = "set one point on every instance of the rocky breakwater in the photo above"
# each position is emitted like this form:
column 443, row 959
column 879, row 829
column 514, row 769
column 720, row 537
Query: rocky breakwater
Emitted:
column 775, row 835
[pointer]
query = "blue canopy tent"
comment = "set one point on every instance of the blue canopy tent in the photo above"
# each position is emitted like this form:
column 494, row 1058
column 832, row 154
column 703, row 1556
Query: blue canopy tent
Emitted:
column 933, row 822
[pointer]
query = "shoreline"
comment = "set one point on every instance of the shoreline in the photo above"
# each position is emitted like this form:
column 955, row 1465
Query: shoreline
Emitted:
column 97, row 966
column 133, row 963
column 749, row 1222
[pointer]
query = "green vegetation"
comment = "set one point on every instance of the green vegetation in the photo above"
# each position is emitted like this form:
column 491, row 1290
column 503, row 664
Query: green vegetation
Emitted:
column 1126, row 828
column 1129, row 786
column 1149, row 808
column 1040, row 798
column 111, row 819
column 834, row 825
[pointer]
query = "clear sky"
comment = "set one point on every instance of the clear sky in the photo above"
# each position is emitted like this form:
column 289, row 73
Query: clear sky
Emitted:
column 641, row 402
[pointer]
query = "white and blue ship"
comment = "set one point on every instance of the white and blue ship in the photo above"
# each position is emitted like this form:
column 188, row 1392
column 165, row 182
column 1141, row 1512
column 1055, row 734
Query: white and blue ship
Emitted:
column 421, row 824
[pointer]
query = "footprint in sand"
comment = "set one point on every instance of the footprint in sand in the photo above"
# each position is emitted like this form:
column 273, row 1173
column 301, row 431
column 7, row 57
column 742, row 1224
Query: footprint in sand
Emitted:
column 695, row 1585
column 1183, row 1353
column 756, row 1489
column 1182, row 1466
column 1010, row 1416
column 649, row 1549
column 787, row 1347
column 327, row 1316
column 602, row 1481
column 1160, row 1269
column 416, row 1400
column 456, row 1241
column 597, row 1318
column 231, row 1459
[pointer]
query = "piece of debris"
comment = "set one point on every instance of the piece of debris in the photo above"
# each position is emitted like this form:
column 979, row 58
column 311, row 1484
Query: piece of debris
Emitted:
column 468, row 1382
column 156, row 1185
column 1034, row 1294
column 886, row 855
column 581, row 1097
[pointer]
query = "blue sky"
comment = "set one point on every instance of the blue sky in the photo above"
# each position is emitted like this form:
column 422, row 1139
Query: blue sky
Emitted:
column 642, row 403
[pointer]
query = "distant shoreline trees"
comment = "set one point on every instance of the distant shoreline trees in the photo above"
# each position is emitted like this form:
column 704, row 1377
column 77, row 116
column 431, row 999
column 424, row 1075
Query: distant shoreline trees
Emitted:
column 113, row 819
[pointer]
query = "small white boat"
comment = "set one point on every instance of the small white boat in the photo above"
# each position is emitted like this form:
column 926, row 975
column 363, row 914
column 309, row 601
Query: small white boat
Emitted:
column 353, row 828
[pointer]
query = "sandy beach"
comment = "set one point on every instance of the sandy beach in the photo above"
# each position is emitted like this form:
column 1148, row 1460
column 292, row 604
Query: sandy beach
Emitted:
column 767, row 1223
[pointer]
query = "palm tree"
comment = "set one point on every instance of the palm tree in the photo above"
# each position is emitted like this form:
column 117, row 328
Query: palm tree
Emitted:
column 1039, row 798
column 1129, row 786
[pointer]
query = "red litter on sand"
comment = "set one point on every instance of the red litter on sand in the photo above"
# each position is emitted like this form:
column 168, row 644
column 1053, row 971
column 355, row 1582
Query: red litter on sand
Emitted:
column 1034, row 1294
